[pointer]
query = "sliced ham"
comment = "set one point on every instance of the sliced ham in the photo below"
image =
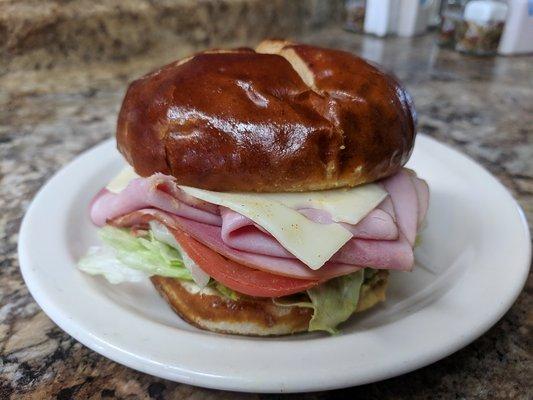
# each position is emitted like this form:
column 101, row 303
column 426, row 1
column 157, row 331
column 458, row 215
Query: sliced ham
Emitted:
column 210, row 236
column 377, row 225
column 153, row 192
column 359, row 253
column 378, row 254
column 422, row 191
column 382, row 240
column 167, row 184
column 241, row 233
column 405, row 201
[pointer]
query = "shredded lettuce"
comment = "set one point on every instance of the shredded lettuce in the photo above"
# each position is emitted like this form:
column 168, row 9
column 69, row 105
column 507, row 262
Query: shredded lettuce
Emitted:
column 369, row 273
column 128, row 258
column 287, row 302
column 333, row 301
column 226, row 291
column 123, row 251
column 162, row 234
column 101, row 260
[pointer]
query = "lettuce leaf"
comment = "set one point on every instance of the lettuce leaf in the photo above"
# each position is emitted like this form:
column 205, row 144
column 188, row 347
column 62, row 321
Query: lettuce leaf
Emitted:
column 128, row 258
column 100, row 260
column 162, row 234
column 226, row 291
column 123, row 251
column 369, row 273
column 333, row 301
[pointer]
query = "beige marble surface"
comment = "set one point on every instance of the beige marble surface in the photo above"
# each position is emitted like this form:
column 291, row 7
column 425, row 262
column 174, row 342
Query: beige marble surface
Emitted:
column 44, row 34
column 481, row 106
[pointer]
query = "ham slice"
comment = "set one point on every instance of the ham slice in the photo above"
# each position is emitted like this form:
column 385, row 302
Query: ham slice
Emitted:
column 422, row 192
column 356, row 254
column 241, row 233
column 153, row 192
column 377, row 225
column 167, row 184
column 378, row 254
column 210, row 236
column 405, row 201
column 382, row 240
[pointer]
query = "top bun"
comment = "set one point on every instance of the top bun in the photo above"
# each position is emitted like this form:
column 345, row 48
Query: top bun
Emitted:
column 285, row 117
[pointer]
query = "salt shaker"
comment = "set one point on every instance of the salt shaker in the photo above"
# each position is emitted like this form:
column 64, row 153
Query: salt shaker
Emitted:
column 517, row 37
column 413, row 16
column 381, row 17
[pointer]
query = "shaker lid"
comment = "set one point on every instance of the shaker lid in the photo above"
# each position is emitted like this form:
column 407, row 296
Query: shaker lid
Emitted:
column 483, row 11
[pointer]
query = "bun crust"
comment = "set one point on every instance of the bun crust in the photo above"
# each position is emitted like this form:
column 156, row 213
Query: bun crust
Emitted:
column 251, row 316
column 285, row 117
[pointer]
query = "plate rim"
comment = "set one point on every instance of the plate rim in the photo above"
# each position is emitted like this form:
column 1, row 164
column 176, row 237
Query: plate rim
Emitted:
column 67, row 323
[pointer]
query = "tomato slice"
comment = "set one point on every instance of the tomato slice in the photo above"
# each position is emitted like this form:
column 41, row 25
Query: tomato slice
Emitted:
column 236, row 276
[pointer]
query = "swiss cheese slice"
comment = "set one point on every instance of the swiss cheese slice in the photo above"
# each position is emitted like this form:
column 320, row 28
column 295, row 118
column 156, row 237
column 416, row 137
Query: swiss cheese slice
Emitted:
column 349, row 205
column 124, row 177
column 310, row 242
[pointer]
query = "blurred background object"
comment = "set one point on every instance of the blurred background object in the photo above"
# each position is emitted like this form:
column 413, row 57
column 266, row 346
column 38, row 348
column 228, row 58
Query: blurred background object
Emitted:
column 414, row 16
column 474, row 27
column 42, row 34
column 517, row 37
column 402, row 17
column 481, row 29
column 355, row 15
column 487, row 27
column 381, row 17
column 451, row 17
column 434, row 14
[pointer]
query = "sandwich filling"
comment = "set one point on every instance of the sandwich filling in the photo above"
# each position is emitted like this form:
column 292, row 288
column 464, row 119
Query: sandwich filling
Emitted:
column 322, row 244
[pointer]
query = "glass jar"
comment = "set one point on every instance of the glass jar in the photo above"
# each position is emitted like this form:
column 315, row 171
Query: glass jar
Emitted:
column 354, row 11
column 451, row 19
column 481, row 29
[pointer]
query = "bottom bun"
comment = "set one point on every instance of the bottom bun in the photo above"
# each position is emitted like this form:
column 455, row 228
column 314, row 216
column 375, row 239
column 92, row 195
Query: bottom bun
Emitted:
column 251, row 316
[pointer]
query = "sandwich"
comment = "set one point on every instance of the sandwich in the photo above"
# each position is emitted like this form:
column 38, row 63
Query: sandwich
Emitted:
column 265, row 191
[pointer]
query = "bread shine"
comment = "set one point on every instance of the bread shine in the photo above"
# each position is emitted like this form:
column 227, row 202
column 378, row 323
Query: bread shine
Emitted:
column 284, row 117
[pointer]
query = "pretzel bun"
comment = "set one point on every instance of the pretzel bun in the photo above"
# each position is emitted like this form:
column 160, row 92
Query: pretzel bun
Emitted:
column 283, row 117
column 251, row 316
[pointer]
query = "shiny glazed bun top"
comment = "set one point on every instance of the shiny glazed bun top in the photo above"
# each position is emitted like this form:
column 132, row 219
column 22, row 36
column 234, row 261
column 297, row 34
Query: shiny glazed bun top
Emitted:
column 285, row 117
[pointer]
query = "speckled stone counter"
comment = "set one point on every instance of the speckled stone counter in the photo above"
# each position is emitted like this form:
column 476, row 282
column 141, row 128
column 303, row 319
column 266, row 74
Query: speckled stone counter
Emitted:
column 480, row 106
column 42, row 34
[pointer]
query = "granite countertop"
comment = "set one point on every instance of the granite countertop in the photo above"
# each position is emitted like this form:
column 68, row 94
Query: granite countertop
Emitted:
column 480, row 106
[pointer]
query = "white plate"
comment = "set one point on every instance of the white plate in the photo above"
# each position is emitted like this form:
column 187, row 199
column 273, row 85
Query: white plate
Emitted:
column 472, row 263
